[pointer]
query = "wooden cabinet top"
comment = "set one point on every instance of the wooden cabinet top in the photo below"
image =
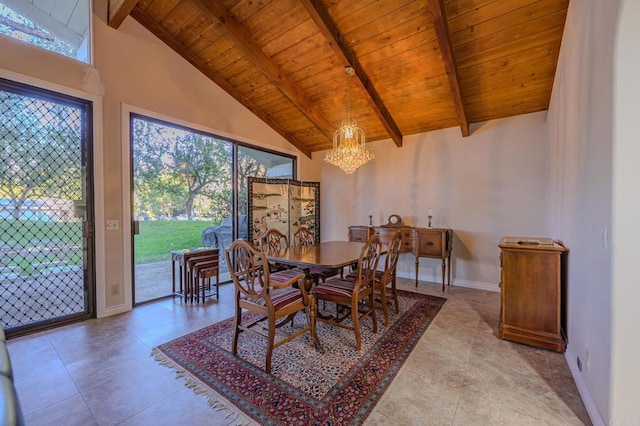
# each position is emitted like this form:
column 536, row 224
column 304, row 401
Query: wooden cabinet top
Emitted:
column 529, row 243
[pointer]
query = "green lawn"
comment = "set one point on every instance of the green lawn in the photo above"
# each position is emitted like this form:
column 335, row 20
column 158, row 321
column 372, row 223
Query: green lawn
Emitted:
column 158, row 238
column 38, row 242
column 154, row 243
column 27, row 232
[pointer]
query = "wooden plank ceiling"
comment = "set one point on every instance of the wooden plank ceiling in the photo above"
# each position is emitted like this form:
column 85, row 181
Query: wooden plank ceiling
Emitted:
column 419, row 65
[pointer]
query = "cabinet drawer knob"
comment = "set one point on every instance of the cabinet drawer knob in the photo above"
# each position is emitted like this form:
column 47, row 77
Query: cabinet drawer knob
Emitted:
column 429, row 243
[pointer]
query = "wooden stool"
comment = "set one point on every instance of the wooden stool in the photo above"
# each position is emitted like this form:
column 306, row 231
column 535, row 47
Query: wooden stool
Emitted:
column 195, row 268
column 202, row 273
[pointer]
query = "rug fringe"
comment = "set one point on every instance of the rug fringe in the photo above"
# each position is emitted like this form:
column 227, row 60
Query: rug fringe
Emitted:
column 214, row 399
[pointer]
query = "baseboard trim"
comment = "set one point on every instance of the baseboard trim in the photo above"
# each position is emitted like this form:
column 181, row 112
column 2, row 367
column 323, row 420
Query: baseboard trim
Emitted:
column 114, row 310
column 457, row 283
column 477, row 285
column 583, row 389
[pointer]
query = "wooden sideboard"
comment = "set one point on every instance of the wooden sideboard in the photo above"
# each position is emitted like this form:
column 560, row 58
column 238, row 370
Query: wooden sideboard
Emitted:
column 422, row 242
column 531, row 292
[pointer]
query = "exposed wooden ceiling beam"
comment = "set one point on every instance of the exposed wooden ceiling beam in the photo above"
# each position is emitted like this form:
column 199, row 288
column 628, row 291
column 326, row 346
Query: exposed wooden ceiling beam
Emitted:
column 244, row 40
column 322, row 19
column 201, row 65
column 118, row 10
column 436, row 7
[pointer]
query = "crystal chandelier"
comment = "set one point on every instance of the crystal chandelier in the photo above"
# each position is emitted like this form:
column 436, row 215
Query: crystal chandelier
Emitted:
column 349, row 151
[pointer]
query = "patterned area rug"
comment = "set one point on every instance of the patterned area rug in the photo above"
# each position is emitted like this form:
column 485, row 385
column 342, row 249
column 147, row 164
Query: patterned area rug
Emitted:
column 306, row 387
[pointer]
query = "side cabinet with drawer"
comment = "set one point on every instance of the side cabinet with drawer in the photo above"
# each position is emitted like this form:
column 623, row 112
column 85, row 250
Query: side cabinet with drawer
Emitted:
column 434, row 243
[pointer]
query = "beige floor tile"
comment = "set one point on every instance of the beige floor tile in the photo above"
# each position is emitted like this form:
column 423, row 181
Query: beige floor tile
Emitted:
column 42, row 390
column 72, row 411
column 460, row 372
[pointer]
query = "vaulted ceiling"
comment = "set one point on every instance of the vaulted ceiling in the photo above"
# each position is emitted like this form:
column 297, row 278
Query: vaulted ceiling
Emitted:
column 420, row 65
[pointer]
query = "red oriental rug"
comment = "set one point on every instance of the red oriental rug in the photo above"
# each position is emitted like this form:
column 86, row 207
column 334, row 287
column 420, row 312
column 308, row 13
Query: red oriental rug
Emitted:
column 306, row 387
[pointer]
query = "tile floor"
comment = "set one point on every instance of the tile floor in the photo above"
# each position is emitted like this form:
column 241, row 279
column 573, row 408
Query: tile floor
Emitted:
column 100, row 372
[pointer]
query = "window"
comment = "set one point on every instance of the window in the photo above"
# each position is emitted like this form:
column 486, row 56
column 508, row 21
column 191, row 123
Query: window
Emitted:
column 59, row 26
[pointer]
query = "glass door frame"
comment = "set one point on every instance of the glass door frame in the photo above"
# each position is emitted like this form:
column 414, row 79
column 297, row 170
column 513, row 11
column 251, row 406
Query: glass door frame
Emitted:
column 128, row 113
column 91, row 148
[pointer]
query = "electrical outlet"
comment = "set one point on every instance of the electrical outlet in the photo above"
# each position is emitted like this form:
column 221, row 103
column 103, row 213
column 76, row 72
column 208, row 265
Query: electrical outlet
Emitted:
column 115, row 289
column 587, row 361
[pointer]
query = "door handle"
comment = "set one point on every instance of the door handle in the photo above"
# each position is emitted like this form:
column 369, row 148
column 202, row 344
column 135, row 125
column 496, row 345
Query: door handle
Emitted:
column 136, row 227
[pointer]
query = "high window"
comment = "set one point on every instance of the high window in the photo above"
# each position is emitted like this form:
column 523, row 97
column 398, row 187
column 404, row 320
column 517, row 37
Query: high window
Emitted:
column 60, row 26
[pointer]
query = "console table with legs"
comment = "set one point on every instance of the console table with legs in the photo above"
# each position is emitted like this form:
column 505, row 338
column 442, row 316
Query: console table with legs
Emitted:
column 435, row 243
column 185, row 261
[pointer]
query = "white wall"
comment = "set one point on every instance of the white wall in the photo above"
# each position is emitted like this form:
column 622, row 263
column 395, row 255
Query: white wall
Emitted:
column 581, row 118
column 484, row 187
column 625, row 376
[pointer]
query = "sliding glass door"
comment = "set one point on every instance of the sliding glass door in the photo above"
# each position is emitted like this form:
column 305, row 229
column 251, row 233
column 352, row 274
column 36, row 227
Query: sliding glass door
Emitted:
column 183, row 196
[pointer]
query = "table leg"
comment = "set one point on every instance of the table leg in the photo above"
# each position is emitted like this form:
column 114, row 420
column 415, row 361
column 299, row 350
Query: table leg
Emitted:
column 417, row 267
column 181, row 273
column 188, row 282
column 173, row 277
column 443, row 272
column 312, row 320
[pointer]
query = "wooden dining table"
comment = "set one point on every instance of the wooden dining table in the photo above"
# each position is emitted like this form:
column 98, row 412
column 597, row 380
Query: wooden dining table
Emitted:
column 327, row 255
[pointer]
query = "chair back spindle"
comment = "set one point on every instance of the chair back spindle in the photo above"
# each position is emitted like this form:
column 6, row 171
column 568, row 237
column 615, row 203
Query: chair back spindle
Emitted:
column 273, row 240
column 251, row 272
column 304, row 237
column 388, row 276
column 368, row 262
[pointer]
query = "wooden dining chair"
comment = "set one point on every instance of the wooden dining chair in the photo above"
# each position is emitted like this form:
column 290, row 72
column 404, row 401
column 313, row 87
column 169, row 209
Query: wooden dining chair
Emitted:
column 270, row 300
column 387, row 277
column 274, row 241
column 354, row 294
column 304, row 237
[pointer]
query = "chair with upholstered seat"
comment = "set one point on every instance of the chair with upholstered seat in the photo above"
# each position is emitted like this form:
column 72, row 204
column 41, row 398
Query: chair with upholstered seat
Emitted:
column 273, row 241
column 270, row 300
column 387, row 277
column 356, row 295
column 304, row 237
